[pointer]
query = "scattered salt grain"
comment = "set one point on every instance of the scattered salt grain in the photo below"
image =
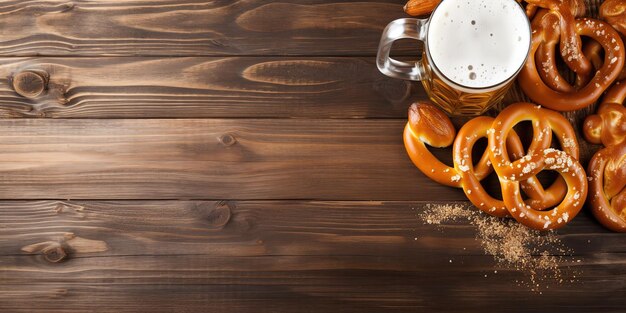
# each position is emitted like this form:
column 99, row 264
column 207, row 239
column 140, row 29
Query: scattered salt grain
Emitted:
column 541, row 256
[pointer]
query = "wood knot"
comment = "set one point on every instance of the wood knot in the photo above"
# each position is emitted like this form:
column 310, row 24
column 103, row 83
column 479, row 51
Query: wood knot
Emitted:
column 219, row 216
column 30, row 84
column 228, row 140
column 67, row 7
column 59, row 249
column 54, row 254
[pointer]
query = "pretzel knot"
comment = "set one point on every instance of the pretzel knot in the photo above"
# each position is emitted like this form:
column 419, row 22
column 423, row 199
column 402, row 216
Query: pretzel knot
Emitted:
column 607, row 168
column 515, row 168
column 540, row 78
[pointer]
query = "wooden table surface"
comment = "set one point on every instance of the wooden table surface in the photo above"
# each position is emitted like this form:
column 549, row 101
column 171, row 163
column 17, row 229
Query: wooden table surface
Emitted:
column 236, row 156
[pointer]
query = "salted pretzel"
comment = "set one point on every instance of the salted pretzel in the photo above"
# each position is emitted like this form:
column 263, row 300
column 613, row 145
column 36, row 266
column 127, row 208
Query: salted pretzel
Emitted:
column 614, row 13
column 515, row 168
column 607, row 168
column 538, row 158
column 540, row 79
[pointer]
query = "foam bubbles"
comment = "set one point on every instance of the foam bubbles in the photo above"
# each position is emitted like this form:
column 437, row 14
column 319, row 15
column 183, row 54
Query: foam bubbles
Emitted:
column 478, row 43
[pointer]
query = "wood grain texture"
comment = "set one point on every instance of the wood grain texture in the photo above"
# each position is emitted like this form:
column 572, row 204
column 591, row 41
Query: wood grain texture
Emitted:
column 198, row 28
column 210, row 159
column 194, row 27
column 318, row 231
column 269, row 256
column 197, row 87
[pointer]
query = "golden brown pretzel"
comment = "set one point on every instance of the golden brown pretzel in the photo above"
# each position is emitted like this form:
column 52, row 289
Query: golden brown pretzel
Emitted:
column 614, row 13
column 607, row 168
column 430, row 126
column 538, row 158
column 565, row 32
column 540, row 78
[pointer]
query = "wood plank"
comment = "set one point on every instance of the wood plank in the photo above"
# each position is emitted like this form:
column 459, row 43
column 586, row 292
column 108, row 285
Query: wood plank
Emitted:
column 194, row 27
column 214, row 159
column 278, row 256
column 199, row 28
column 202, row 87
column 210, row 159
column 229, row 87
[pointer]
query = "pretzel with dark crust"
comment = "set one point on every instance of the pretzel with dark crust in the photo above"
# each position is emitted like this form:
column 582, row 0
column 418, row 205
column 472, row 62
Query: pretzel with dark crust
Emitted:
column 607, row 168
column 428, row 125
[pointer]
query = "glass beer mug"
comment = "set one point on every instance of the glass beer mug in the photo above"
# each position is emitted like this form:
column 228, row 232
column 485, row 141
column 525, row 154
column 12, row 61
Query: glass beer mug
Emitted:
column 473, row 50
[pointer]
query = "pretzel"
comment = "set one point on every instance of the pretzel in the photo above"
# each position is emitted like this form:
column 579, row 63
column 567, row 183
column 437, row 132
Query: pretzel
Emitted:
column 614, row 13
column 565, row 33
column 428, row 125
column 545, row 85
column 577, row 8
column 607, row 168
column 593, row 51
column 539, row 157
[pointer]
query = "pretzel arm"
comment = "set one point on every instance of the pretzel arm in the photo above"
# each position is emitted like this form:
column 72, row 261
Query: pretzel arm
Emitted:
column 428, row 125
column 467, row 137
column 617, row 94
column 531, row 10
column 546, row 55
column 571, row 46
column 426, row 162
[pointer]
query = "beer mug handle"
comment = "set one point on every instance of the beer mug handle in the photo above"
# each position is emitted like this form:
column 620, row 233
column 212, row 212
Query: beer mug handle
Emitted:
column 404, row 28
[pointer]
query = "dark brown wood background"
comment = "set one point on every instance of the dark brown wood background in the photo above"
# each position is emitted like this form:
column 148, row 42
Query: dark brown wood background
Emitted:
column 236, row 156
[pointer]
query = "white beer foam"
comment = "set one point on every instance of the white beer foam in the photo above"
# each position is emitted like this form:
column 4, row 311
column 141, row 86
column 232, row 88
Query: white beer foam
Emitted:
column 478, row 43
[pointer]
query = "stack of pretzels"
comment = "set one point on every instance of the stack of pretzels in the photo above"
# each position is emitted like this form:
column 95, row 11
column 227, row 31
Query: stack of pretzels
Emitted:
column 598, row 64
